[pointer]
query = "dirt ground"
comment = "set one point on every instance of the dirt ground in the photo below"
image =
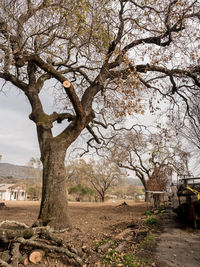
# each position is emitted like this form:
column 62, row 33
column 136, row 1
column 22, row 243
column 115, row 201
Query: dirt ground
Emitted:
column 95, row 225
column 113, row 235
column 178, row 245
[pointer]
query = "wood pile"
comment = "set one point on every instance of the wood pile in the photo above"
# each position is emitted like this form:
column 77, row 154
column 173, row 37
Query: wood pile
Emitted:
column 20, row 243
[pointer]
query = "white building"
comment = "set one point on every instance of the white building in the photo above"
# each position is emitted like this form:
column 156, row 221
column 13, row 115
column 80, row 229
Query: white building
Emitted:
column 12, row 192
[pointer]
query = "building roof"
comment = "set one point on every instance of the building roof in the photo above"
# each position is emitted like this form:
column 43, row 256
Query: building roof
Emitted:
column 4, row 187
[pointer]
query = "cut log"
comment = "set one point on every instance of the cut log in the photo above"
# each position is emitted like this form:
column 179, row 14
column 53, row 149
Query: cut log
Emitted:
column 66, row 84
column 26, row 261
column 50, row 248
column 124, row 234
column 36, row 256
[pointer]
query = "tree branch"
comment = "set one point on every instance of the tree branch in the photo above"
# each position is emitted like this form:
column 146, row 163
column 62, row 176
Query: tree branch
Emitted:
column 59, row 117
column 69, row 89
column 14, row 80
column 93, row 134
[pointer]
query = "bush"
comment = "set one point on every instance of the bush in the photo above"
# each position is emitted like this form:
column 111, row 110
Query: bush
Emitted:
column 151, row 221
column 147, row 213
column 81, row 190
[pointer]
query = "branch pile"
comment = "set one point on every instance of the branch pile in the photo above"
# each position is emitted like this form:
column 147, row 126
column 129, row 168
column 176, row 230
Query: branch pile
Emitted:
column 20, row 243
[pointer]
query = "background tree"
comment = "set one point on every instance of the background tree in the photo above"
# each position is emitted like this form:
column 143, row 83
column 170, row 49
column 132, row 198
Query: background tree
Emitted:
column 80, row 191
column 77, row 179
column 100, row 55
column 105, row 175
column 33, row 190
column 153, row 157
column 77, row 172
column 34, row 184
column 189, row 130
column 36, row 169
column 100, row 175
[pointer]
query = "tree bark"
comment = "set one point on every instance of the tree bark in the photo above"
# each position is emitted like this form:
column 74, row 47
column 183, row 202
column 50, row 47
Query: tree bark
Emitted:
column 54, row 205
column 102, row 198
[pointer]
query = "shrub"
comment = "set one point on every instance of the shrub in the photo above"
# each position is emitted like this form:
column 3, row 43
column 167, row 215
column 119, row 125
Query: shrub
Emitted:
column 147, row 213
column 151, row 221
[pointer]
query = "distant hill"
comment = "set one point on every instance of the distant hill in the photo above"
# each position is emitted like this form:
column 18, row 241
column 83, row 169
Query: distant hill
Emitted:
column 8, row 170
column 15, row 171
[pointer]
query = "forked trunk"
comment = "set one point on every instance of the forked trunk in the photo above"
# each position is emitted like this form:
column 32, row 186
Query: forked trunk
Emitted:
column 54, row 206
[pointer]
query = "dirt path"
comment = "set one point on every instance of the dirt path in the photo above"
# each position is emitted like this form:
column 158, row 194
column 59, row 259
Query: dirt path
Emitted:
column 177, row 246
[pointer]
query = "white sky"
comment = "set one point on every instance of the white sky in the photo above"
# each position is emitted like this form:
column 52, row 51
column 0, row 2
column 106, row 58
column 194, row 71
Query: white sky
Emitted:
column 18, row 137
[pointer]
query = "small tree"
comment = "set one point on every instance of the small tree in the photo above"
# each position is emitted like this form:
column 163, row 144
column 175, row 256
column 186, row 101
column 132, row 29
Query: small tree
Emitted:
column 77, row 172
column 81, row 191
column 34, row 191
column 105, row 176
column 101, row 175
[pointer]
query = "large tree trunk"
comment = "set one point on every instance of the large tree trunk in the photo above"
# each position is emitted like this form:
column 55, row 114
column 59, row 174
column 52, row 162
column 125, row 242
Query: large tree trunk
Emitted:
column 54, row 206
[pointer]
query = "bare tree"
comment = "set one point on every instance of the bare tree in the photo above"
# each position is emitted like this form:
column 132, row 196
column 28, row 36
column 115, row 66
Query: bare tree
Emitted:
column 100, row 55
column 105, row 175
column 189, row 130
column 153, row 157
column 101, row 175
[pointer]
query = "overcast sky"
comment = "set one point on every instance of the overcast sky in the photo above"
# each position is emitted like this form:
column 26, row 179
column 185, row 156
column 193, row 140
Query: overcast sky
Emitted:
column 18, row 138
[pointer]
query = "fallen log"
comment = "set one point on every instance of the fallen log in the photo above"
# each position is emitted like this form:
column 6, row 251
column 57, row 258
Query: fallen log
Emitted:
column 51, row 248
column 4, row 264
column 20, row 238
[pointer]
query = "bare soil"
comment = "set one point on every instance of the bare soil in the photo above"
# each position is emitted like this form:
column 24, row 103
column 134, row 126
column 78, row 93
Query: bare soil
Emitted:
column 178, row 245
column 93, row 225
column 99, row 229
